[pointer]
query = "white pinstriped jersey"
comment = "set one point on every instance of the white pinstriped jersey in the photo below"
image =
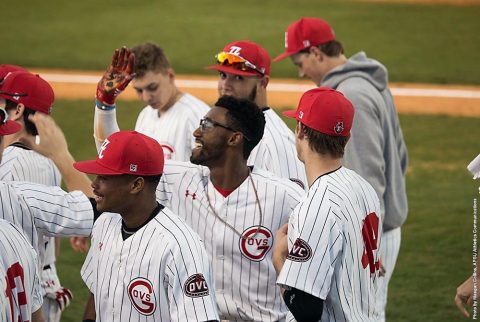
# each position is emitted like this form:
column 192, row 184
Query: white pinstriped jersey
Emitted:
column 276, row 150
column 20, row 291
column 38, row 209
column 174, row 129
column 333, row 241
column 243, row 269
column 160, row 273
column 22, row 164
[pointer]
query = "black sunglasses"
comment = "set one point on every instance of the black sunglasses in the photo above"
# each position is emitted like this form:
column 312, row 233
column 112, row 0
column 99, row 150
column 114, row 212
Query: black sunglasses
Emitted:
column 206, row 124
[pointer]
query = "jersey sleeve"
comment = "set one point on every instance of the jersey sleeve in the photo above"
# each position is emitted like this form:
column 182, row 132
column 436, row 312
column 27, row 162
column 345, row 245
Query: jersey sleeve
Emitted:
column 104, row 124
column 314, row 245
column 190, row 283
column 56, row 212
column 37, row 293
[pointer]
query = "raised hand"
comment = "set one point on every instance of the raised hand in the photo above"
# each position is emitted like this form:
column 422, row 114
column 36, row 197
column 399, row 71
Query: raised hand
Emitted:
column 117, row 76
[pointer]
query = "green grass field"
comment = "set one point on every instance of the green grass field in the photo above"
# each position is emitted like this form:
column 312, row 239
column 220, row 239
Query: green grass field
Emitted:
column 436, row 249
column 419, row 43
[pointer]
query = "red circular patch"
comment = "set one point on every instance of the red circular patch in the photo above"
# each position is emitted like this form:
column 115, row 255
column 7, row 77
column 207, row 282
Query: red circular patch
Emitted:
column 168, row 151
column 255, row 245
column 140, row 292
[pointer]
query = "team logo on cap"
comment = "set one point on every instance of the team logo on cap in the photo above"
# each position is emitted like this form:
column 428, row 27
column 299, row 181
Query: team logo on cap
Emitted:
column 300, row 252
column 300, row 115
column 235, row 50
column 195, row 286
column 102, row 148
column 133, row 168
column 168, row 151
column 338, row 128
column 140, row 292
column 255, row 242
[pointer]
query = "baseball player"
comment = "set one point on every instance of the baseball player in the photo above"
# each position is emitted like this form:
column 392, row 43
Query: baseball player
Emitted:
column 40, row 210
column 20, row 163
column 21, row 296
column 377, row 150
column 234, row 208
column 244, row 72
column 145, row 263
column 170, row 116
column 330, row 269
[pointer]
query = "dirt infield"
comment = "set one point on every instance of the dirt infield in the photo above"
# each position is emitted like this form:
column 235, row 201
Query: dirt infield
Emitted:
column 285, row 93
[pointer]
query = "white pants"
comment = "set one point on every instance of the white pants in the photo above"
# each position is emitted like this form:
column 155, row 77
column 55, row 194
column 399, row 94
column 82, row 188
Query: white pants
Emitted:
column 389, row 249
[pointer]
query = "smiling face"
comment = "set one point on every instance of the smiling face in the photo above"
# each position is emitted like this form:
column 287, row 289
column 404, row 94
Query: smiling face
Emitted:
column 212, row 141
column 155, row 88
column 112, row 193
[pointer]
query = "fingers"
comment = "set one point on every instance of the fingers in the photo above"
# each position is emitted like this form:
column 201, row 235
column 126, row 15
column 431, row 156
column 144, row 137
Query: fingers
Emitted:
column 122, row 58
column 115, row 58
column 130, row 64
column 459, row 301
column 79, row 244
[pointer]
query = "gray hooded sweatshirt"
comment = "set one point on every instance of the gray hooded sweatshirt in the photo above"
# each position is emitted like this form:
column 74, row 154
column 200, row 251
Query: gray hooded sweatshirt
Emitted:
column 376, row 149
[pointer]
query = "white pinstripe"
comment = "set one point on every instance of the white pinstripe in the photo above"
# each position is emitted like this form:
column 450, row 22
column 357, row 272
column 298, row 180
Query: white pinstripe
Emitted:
column 16, row 252
column 21, row 164
column 244, row 273
column 175, row 127
column 276, row 150
column 330, row 221
column 165, row 252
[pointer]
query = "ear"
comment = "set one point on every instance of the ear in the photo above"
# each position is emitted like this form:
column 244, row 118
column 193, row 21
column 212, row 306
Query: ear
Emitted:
column 264, row 81
column 235, row 139
column 18, row 112
column 300, row 131
column 171, row 74
column 137, row 185
column 317, row 53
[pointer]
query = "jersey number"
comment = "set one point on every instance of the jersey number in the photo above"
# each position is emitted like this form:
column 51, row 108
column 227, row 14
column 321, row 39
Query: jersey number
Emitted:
column 370, row 240
column 15, row 283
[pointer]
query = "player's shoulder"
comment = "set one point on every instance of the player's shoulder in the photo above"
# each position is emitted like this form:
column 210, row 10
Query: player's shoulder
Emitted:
column 291, row 187
column 193, row 102
column 174, row 228
column 179, row 167
column 106, row 219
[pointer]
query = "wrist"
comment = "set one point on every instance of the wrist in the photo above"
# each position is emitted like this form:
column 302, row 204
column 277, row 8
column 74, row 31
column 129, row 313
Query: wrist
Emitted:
column 104, row 106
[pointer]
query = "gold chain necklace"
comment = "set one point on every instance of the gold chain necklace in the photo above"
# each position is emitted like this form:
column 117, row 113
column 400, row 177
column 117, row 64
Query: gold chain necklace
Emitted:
column 230, row 226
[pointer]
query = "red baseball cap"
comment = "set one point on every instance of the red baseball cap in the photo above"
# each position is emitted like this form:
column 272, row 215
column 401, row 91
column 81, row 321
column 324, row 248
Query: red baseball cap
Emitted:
column 7, row 126
column 31, row 90
column 305, row 33
column 126, row 152
column 6, row 68
column 325, row 110
column 257, row 58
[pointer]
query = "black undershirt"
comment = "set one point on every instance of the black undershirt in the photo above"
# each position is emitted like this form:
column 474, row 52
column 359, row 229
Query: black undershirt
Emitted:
column 127, row 232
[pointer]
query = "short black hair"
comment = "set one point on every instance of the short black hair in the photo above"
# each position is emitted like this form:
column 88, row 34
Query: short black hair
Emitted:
column 245, row 116
column 29, row 125
column 325, row 144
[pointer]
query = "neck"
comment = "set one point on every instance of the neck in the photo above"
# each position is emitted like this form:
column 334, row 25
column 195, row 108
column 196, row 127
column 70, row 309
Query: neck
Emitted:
column 177, row 94
column 12, row 138
column 230, row 175
column 317, row 165
column 138, row 213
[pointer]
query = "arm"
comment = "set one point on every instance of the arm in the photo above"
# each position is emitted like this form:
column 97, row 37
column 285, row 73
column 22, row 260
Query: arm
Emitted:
column 52, row 144
column 90, row 314
column 115, row 79
column 37, row 316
